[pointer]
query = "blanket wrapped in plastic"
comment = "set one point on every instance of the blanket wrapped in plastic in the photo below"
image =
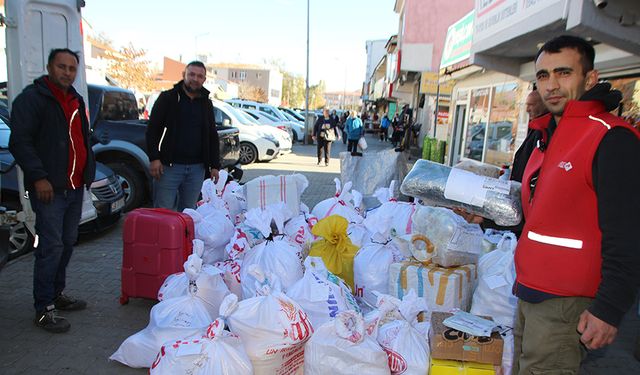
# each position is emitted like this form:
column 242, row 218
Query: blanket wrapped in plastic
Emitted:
column 439, row 185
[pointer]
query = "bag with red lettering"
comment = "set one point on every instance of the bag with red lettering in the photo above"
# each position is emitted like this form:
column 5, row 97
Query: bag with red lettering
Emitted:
column 273, row 328
column 209, row 285
column 298, row 230
column 407, row 348
column 342, row 347
column 219, row 352
column 340, row 204
column 172, row 318
column 231, row 275
column 321, row 294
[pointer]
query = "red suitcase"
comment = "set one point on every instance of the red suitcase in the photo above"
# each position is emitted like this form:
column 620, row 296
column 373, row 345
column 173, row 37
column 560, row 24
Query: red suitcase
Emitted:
column 156, row 243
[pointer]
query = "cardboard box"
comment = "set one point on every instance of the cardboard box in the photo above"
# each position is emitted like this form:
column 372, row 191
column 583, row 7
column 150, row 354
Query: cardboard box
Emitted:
column 448, row 343
column 448, row 367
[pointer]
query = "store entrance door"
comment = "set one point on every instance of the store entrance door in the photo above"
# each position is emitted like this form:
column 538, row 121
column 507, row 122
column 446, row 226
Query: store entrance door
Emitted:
column 458, row 126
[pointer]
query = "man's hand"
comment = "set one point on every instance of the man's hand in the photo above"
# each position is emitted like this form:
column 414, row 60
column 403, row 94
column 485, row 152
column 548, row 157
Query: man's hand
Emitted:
column 469, row 217
column 156, row 169
column 595, row 332
column 215, row 175
column 44, row 190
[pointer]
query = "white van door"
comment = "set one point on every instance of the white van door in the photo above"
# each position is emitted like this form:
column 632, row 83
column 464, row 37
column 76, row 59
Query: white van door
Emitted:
column 32, row 29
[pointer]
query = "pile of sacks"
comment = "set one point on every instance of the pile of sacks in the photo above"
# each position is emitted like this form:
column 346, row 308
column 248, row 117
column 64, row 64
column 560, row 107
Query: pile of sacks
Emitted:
column 333, row 289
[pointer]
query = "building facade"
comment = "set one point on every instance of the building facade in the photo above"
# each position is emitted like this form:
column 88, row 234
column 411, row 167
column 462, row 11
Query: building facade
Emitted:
column 267, row 79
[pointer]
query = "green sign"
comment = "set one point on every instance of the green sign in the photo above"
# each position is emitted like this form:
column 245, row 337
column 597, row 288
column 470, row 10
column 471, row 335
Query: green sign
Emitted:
column 457, row 46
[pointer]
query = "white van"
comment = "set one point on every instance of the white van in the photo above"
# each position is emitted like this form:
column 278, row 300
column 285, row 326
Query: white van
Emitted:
column 296, row 127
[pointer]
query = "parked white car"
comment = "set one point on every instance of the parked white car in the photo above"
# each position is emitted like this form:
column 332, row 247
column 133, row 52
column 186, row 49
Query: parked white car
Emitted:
column 257, row 142
column 282, row 135
column 296, row 127
column 266, row 119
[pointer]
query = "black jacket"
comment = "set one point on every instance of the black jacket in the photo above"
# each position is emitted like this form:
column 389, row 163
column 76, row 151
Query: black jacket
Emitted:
column 322, row 121
column 40, row 137
column 164, row 118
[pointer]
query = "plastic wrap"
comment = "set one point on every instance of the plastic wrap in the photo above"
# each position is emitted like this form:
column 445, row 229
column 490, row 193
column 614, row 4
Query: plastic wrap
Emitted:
column 439, row 185
column 479, row 168
column 442, row 236
column 371, row 171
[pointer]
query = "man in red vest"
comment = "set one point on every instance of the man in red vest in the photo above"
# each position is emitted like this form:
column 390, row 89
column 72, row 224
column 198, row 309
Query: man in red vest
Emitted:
column 577, row 259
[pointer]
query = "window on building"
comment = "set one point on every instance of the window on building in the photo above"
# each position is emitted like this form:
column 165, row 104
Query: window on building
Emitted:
column 275, row 93
column 502, row 124
column 630, row 105
column 476, row 128
column 243, row 75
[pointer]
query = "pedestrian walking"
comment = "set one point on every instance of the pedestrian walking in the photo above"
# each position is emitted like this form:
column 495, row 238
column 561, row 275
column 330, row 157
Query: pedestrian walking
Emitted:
column 354, row 132
column 324, row 132
column 398, row 130
column 384, row 127
column 342, row 123
column 50, row 142
column 577, row 259
column 182, row 141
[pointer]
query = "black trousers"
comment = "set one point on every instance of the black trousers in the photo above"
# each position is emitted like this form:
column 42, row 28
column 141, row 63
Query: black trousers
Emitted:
column 353, row 145
column 326, row 146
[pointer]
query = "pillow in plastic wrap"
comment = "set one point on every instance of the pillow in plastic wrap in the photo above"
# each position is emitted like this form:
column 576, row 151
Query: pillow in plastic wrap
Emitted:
column 444, row 237
column 439, row 185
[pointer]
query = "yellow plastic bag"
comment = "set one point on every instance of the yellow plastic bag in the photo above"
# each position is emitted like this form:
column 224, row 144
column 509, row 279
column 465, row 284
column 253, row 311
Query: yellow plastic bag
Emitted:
column 335, row 247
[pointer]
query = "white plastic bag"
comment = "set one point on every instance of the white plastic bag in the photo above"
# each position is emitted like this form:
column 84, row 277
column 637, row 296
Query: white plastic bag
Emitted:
column 402, row 212
column 298, row 230
column 319, row 297
column 362, row 143
column 170, row 319
column 496, row 274
column 231, row 275
column 215, row 230
column 359, row 234
column 219, row 352
column 273, row 328
column 340, row 204
column 444, row 237
column 209, row 285
column 371, row 263
column 266, row 190
column 342, row 347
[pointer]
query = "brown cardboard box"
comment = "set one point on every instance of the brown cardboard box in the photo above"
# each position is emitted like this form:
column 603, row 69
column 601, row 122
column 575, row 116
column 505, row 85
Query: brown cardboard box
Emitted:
column 448, row 343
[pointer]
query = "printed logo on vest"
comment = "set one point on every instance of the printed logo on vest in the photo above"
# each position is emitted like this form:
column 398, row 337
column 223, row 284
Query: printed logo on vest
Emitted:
column 566, row 165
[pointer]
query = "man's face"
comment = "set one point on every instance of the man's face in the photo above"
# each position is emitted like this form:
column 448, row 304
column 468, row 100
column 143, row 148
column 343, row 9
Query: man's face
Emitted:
column 62, row 70
column 194, row 77
column 535, row 106
column 325, row 113
column 560, row 78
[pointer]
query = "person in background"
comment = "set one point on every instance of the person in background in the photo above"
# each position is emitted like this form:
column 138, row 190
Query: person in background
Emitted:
column 398, row 130
column 324, row 132
column 342, row 125
column 354, row 132
column 50, row 140
column 384, row 127
column 182, row 141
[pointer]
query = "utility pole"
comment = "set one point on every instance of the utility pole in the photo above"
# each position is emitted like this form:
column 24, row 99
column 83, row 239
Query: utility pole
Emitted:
column 306, row 99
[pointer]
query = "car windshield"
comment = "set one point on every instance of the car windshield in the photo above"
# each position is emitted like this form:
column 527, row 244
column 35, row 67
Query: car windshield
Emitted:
column 238, row 115
column 269, row 117
column 5, row 132
column 249, row 117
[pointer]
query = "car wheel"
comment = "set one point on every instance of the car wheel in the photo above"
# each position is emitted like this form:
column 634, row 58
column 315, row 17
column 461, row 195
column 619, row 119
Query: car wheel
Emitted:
column 248, row 153
column 132, row 185
column 20, row 240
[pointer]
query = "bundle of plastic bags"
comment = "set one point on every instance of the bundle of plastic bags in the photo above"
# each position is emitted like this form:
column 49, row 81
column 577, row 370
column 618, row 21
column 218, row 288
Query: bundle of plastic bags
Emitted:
column 444, row 237
column 335, row 247
column 184, row 316
column 206, row 279
column 273, row 328
column 342, row 346
column 341, row 204
column 218, row 352
column 496, row 275
column 214, row 230
column 439, row 185
column 371, row 263
column 321, row 294
column 401, row 212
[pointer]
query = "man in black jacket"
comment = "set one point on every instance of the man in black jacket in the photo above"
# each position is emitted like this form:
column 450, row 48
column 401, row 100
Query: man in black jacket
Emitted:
column 50, row 142
column 182, row 141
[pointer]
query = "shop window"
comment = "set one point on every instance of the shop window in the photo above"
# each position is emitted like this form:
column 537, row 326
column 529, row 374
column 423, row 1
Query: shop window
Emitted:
column 503, row 122
column 476, row 128
column 630, row 105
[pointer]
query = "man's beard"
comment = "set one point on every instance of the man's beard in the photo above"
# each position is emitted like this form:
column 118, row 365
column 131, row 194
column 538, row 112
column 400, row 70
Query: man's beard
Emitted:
column 190, row 90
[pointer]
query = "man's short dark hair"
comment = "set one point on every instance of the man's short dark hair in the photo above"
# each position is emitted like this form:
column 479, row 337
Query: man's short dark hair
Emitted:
column 199, row 64
column 586, row 51
column 54, row 52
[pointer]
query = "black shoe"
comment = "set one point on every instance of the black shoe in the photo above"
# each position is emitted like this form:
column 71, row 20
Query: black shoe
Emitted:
column 67, row 303
column 50, row 321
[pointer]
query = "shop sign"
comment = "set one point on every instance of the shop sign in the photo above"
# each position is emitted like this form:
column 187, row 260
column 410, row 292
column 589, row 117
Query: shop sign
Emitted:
column 429, row 84
column 457, row 45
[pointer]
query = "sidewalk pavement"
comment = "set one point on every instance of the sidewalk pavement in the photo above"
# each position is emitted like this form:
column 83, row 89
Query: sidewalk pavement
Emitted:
column 94, row 275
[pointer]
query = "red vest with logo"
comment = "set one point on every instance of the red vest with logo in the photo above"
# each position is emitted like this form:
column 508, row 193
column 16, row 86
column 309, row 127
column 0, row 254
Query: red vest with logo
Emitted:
column 559, row 251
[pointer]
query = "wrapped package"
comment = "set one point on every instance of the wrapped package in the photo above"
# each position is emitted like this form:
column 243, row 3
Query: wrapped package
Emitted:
column 341, row 204
column 218, row 352
column 266, row 190
column 273, row 328
column 479, row 168
column 321, row 294
column 372, row 170
column 342, row 347
column 207, row 279
column 371, row 263
column 444, row 237
column 185, row 316
column 496, row 274
column 335, row 247
column 443, row 289
column 439, row 185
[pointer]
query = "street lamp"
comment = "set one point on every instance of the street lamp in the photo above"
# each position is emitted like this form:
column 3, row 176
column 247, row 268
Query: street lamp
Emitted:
column 306, row 99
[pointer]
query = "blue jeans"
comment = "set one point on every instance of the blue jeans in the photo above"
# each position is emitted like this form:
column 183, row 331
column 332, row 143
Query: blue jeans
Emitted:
column 57, row 230
column 178, row 187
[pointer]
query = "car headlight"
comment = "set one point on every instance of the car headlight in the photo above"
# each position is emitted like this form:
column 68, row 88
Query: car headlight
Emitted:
column 94, row 198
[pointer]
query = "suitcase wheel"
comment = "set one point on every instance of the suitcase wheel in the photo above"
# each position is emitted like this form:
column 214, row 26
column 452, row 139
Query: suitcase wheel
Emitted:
column 124, row 299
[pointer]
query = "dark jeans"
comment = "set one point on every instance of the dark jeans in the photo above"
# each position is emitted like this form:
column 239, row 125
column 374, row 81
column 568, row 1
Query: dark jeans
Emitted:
column 326, row 146
column 179, row 186
column 57, row 230
column 353, row 145
column 384, row 134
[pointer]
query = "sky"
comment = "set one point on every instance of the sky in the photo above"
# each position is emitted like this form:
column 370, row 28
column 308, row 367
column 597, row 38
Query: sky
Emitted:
column 252, row 31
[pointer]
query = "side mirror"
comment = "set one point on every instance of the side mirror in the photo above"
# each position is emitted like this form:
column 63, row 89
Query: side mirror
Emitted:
column 226, row 122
